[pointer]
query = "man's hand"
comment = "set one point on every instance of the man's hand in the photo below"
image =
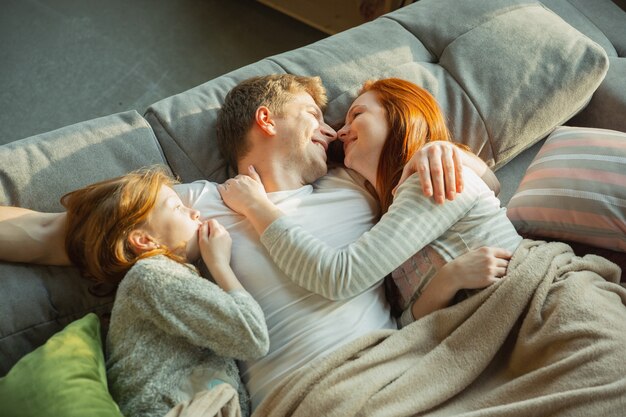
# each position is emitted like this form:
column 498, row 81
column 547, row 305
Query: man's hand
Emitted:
column 439, row 165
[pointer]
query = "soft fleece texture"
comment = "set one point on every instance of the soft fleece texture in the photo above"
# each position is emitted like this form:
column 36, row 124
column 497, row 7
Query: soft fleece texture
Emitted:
column 548, row 339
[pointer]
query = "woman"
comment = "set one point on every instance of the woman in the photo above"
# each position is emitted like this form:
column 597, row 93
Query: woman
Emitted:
column 172, row 333
column 389, row 121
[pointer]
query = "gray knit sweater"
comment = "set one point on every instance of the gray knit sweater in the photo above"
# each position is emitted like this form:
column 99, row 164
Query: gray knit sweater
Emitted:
column 172, row 332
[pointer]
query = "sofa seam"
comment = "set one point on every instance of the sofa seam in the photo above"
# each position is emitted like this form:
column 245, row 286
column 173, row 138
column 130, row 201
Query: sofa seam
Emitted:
column 174, row 140
column 580, row 12
column 153, row 135
column 438, row 62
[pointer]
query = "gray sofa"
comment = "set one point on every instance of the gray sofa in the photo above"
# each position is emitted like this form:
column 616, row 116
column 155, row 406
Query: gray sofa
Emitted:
column 507, row 72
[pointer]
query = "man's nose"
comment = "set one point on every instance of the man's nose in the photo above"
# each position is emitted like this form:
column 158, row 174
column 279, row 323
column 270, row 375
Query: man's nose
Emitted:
column 329, row 133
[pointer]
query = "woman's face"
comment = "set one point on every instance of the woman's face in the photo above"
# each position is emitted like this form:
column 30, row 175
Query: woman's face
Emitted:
column 174, row 225
column 364, row 135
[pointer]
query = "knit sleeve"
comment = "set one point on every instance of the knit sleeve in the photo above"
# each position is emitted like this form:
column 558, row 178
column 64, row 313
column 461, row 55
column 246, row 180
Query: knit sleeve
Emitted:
column 181, row 303
column 412, row 222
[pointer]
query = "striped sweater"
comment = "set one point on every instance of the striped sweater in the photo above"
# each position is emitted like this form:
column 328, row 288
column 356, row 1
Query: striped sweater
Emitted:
column 472, row 220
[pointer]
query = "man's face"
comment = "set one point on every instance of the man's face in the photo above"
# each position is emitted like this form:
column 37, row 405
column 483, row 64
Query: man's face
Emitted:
column 304, row 137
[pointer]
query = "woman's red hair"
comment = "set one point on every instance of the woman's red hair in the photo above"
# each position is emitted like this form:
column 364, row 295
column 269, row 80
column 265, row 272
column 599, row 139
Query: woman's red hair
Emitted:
column 414, row 119
column 100, row 216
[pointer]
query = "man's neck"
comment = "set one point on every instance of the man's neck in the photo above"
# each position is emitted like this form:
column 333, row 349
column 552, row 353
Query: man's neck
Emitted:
column 275, row 176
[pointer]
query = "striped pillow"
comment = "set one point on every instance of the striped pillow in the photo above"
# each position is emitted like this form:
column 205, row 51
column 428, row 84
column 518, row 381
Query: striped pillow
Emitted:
column 575, row 189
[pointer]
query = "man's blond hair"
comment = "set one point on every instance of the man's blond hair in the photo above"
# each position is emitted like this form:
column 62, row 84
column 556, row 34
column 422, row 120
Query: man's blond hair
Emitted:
column 241, row 103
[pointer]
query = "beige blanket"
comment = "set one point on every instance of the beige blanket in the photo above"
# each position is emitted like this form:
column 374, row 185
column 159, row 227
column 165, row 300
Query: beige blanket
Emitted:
column 548, row 340
column 220, row 401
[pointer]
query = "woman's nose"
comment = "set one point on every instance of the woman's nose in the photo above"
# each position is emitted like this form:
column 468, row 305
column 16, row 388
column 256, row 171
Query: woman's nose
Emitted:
column 195, row 214
column 342, row 133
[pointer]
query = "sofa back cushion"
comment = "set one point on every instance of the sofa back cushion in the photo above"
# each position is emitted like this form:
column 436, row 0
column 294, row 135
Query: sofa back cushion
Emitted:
column 505, row 73
column 54, row 163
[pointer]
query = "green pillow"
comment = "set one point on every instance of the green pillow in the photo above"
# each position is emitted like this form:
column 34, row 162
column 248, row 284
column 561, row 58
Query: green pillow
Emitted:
column 64, row 377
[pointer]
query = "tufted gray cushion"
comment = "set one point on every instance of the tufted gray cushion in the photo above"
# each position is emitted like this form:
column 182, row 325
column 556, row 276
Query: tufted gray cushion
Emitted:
column 56, row 162
column 505, row 73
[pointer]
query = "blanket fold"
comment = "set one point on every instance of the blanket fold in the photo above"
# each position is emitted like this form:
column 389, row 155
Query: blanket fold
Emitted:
column 220, row 401
column 548, row 339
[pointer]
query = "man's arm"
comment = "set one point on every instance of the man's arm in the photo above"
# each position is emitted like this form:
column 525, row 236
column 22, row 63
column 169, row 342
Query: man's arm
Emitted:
column 32, row 237
column 481, row 169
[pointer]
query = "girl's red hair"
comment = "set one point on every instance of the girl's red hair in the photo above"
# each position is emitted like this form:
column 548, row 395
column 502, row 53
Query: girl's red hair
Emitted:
column 100, row 216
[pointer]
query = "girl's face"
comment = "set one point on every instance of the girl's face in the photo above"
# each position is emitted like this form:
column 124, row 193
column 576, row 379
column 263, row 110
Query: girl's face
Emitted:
column 174, row 225
column 364, row 135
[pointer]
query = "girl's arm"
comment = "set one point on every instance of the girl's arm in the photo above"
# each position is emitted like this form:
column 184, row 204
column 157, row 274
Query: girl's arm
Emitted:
column 180, row 302
column 32, row 237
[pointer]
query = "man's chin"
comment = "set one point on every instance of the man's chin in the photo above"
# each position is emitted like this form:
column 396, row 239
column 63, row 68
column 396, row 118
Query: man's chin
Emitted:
column 317, row 173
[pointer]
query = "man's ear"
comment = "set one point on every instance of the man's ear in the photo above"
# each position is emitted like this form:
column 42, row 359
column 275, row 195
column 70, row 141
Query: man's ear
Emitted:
column 264, row 119
column 141, row 241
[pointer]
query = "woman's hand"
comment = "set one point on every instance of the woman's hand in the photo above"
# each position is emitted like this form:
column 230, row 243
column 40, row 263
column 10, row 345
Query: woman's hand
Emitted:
column 244, row 192
column 246, row 195
column 478, row 268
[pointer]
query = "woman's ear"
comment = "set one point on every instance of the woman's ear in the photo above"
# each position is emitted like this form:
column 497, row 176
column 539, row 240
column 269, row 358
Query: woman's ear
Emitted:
column 264, row 119
column 141, row 241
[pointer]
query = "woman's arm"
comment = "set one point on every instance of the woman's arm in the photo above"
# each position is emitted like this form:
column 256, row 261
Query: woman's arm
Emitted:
column 32, row 237
column 180, row 302
column 412, row 222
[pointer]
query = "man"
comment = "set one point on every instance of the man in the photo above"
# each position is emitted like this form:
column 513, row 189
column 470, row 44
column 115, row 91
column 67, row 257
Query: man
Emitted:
column 275, row 124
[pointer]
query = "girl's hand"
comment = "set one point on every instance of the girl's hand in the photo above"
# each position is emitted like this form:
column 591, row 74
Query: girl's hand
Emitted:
column 215, row 245
column 244, row 193
column 478, row 268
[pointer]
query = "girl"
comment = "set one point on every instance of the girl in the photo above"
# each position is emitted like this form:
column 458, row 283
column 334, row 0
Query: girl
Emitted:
column 172, row 333
column 388, row 122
